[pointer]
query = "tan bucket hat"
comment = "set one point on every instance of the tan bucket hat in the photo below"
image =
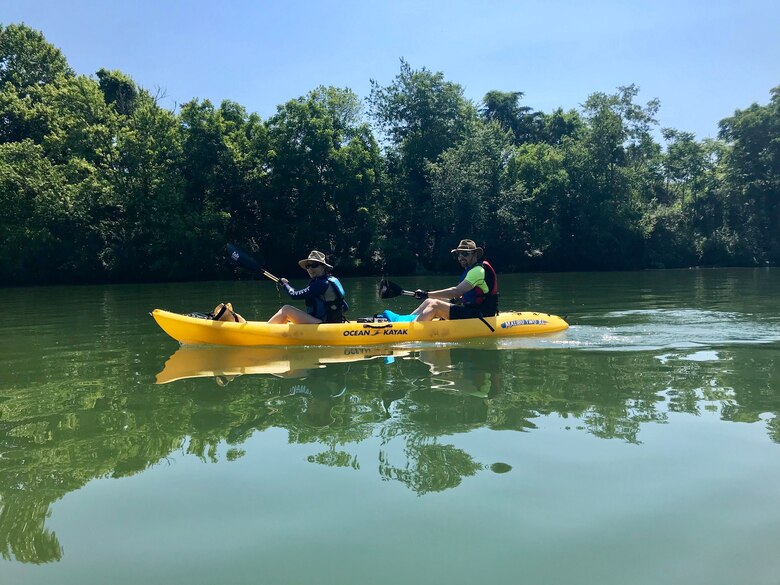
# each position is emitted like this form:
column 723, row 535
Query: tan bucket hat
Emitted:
column 469, row 246
column 315, row 256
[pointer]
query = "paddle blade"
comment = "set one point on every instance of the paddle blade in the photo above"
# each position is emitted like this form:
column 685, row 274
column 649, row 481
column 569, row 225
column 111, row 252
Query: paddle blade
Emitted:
column 243, row 259
column 389, row 289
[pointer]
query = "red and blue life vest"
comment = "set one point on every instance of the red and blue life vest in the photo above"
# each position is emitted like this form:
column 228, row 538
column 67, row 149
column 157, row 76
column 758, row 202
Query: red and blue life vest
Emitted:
column 487, row 302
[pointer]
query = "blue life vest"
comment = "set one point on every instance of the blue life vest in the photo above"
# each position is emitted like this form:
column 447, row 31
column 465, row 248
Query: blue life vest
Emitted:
column 330, row 306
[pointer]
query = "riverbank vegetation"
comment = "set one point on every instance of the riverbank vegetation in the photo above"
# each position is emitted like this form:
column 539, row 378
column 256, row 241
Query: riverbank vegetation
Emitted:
column 99, row 183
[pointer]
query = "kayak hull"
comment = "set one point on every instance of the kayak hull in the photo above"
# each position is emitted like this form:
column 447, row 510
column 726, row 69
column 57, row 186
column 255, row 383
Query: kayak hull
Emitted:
column 193, row 331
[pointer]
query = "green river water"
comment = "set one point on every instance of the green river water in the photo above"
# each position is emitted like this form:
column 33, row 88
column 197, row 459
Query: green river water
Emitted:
column 641, row 446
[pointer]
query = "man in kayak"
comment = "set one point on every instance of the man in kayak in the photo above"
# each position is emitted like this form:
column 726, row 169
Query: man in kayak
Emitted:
column 477, row 291
column 324, row 295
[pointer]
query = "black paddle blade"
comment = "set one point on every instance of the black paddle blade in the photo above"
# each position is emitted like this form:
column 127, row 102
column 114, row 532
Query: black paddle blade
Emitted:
column 389, row 289
column 243, row 259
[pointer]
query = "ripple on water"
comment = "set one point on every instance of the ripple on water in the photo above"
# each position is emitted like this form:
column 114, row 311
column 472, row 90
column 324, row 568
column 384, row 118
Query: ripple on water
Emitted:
column 697, row 356
column 652, row 329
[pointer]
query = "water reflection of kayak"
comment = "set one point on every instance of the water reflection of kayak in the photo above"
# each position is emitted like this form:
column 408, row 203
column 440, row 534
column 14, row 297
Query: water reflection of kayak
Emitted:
column 194, row 331
column 228, row 362
column 463, row 371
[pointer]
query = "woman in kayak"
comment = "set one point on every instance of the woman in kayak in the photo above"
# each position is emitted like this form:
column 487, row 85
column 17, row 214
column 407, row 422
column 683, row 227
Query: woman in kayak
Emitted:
column 477, row 291
column 324, row 295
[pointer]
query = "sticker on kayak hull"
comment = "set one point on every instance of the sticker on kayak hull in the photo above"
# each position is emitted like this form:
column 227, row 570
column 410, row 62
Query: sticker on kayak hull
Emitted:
column 376, row 332
column 518, row 322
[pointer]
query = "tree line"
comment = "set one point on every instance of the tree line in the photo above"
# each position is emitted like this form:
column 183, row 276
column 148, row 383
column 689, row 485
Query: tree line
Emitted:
column 100, row 183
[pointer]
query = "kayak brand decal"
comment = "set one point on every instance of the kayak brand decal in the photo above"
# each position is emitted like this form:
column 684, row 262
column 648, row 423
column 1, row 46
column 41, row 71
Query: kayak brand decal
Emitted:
column 510, row 324
column 376, row 332
column 396, row 332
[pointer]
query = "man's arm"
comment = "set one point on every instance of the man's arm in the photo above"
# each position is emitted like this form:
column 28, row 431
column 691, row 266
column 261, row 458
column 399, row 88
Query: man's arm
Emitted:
column 473, row 277
column 454, row 291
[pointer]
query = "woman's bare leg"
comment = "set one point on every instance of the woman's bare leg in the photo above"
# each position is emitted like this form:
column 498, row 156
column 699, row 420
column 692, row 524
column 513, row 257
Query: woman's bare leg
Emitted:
column 290, row 314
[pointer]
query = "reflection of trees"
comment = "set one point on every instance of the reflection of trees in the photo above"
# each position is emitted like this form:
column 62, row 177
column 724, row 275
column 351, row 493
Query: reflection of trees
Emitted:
column 430, row 467
column 22, row 534
column 54, row 440
column 334, row 458
column 56, row 434
column 773, row 427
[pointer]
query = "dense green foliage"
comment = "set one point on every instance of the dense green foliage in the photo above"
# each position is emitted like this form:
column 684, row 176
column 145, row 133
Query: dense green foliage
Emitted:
column 98, row 182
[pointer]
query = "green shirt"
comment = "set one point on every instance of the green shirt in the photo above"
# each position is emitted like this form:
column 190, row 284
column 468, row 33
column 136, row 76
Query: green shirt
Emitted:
column 476, row 277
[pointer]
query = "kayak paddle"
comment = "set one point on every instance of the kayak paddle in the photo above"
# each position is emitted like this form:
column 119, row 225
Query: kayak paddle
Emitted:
column 243, row 259
column 388, row 290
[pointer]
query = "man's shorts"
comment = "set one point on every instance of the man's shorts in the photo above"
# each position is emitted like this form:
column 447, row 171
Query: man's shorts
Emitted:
column 463, row 312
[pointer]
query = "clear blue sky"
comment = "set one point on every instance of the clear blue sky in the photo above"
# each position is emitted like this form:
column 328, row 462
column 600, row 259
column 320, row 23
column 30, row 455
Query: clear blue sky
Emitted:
column 702, row 58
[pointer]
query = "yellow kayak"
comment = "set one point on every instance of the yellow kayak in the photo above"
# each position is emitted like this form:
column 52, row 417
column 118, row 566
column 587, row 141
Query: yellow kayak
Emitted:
column 195, row 331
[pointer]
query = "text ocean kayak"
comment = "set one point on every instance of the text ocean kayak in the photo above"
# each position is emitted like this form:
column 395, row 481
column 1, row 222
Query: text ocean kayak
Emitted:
column 195, row 331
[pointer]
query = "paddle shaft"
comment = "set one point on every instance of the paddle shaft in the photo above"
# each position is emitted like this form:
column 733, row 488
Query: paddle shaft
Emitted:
column 269, row 276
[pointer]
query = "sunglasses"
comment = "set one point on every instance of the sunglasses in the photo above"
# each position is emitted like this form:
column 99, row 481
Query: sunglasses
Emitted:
column 311, row 265
column 464, row 254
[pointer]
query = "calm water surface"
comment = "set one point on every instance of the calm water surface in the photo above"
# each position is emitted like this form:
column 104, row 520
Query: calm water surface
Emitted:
column 641, row 446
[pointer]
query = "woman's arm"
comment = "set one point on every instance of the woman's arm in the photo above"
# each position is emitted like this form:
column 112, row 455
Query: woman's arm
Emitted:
column 315, row 289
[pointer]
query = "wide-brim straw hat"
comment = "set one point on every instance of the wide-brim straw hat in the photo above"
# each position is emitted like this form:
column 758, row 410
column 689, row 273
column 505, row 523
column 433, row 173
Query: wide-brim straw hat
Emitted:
column 315, row 256
column 469, row 246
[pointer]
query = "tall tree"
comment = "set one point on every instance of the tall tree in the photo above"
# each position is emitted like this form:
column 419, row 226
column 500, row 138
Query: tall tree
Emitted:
column 504, row 107
column 466, row 186
column 61, row 135
column 31, row 196
column 533, row 211
column 27, row 60
column 119, row 90
column 753, row 176
column 610, row 166
column 324, row 173
column 560, row 125
column 27, row 65
column 422, row 115
column 148, row 228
